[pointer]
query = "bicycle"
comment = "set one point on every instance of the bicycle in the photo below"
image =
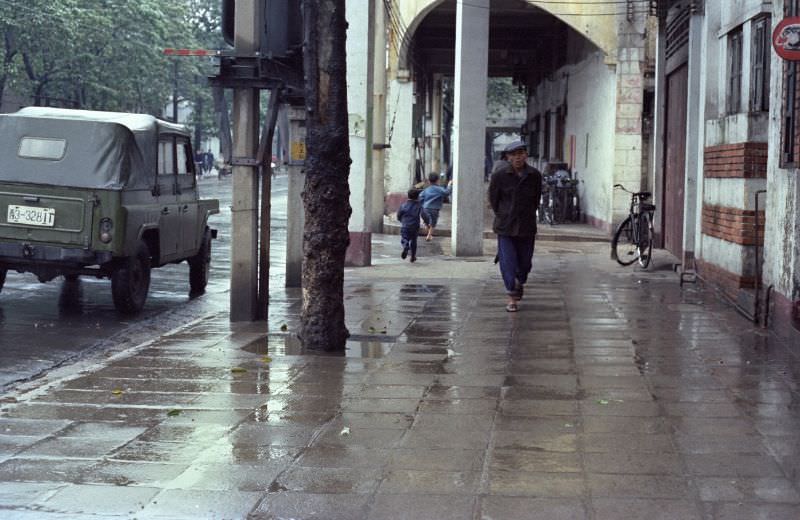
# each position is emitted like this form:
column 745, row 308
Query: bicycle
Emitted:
column 633, row 239
column 547, row 203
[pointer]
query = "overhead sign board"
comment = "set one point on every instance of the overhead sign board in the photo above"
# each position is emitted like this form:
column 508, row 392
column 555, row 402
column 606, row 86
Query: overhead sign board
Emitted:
column 786, row 38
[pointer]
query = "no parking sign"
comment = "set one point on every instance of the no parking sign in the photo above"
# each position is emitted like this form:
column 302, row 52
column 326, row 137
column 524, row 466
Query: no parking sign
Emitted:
column 786, row 38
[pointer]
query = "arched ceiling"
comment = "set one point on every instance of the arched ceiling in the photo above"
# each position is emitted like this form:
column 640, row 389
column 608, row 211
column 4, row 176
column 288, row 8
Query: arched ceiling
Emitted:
column 521, row 35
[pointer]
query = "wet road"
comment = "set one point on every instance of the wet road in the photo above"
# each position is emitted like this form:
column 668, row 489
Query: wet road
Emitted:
column 46, row 325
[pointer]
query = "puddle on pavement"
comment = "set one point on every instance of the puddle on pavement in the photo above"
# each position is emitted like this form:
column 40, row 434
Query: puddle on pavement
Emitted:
column 357, row 346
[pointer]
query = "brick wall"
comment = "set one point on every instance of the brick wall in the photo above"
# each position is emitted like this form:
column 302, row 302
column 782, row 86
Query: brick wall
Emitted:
column 733, row 224
column 730, row 283
column 740, row 160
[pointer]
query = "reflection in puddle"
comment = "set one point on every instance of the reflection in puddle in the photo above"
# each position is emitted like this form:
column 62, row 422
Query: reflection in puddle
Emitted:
column 357, row 347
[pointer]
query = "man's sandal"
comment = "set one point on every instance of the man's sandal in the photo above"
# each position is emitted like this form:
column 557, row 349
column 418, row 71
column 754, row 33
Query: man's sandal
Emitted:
column 512, row 307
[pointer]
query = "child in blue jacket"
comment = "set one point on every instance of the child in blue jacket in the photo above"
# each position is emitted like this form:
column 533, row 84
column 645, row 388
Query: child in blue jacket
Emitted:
column 432, row 199
column 408, row 215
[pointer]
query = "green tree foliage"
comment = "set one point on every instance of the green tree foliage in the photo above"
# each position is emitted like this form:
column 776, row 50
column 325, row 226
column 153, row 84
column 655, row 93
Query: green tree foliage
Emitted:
column 503, row 97
column 108, row 54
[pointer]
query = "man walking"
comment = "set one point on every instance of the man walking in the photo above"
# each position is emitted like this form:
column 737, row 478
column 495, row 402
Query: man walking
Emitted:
column 514, row 192
column 208, row 161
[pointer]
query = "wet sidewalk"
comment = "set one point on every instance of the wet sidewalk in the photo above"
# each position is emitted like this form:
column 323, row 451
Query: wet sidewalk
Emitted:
column 612, row 394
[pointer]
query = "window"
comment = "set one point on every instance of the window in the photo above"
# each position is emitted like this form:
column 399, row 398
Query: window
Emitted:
column 735, row 71
column 759, row 89
column 184, row 168
column 789, row 116
column 166, row 156
column 42, row 148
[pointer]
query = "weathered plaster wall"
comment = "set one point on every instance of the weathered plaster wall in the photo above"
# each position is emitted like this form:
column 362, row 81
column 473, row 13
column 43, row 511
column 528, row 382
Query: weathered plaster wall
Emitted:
column 399, row 172
column 728, row 189
column 781, row 265
column 589, row 90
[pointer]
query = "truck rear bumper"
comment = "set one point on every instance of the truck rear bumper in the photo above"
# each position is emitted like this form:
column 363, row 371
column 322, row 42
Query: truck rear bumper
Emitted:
column 48, row 261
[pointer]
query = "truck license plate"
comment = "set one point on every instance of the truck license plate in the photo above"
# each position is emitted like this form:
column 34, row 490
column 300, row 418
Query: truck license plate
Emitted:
column 31, row 216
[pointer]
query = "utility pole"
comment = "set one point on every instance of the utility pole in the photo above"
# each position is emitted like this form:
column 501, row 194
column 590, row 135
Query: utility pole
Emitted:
column 327, row 194
column 244, row 209
column 175, row 91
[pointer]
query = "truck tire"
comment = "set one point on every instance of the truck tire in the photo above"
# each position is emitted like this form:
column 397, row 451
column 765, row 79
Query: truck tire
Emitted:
column 2, row 278
column 199, row 267
column 130, row 281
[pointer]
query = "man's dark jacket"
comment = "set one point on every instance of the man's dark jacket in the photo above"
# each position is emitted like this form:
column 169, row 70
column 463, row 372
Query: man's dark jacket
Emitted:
column 514, row 200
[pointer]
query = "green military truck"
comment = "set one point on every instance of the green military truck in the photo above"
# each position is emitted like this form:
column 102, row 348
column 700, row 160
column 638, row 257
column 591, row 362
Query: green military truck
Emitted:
column 101, row 194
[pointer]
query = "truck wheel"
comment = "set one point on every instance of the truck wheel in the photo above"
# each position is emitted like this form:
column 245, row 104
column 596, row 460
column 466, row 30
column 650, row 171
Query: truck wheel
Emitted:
column 131, row 281
column 199, row 267
column 2, row 278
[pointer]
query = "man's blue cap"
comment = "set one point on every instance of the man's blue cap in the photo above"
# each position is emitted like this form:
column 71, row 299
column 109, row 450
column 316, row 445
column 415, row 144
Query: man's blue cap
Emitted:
column 513, row 146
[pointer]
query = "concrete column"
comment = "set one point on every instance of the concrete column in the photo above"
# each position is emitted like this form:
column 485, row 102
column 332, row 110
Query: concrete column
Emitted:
column 427, row 129
column 659, row 130
column 695, row 143
column 295, row 212
column 379, row 118
column 360, row 42
column 469, row 127
column 436, row 123
column 244, row 207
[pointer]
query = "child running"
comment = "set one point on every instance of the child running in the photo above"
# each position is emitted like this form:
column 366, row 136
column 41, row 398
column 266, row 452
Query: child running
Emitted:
column 408, row 215
column 432, row 199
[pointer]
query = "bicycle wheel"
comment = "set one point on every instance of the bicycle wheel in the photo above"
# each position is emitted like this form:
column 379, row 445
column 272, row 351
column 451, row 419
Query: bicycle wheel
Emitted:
column 623, row 246
column 645, row 249
column 549, row 214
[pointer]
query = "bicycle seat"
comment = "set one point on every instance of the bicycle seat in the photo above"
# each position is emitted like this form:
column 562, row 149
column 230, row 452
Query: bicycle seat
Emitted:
column 644, row 195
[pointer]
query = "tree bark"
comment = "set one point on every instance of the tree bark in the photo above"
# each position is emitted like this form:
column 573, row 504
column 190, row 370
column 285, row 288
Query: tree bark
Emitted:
column 326, row 195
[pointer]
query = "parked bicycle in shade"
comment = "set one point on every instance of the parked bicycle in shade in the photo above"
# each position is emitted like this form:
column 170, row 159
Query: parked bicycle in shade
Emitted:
column 633, row 239
column 559, row 202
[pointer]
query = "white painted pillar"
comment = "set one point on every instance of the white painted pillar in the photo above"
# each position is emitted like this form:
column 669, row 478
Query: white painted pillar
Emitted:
column 379, row 118
column 469, row 126
column 436, row 131
column 695, row 141
column 360, row 46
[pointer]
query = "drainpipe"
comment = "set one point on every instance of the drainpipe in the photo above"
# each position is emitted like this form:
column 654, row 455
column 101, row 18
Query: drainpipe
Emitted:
column 756, row 309
column 766, row 307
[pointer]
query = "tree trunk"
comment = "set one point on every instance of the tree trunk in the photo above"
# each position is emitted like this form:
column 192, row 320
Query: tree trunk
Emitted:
column 224, row 125
column 198, row 123
column 326, row 194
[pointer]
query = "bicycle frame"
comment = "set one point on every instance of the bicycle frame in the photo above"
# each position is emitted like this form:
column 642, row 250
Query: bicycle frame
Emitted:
column 634, row 231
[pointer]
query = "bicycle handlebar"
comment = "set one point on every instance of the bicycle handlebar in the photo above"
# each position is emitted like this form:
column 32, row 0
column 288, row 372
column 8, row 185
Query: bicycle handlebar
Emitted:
column 639, row 194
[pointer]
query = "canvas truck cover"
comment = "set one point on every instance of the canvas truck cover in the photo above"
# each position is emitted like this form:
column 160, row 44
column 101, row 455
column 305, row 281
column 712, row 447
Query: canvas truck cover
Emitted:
column 80, row 148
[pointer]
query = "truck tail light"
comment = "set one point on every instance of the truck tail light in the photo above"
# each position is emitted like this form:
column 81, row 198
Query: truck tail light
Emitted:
column 106, row 225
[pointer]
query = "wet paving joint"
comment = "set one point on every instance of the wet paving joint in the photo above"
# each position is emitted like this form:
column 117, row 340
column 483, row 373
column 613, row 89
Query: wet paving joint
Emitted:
column 611, row 394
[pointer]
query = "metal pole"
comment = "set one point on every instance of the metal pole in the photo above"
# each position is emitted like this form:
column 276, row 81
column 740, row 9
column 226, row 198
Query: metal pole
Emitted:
column 264, row 158
column 244, row 207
